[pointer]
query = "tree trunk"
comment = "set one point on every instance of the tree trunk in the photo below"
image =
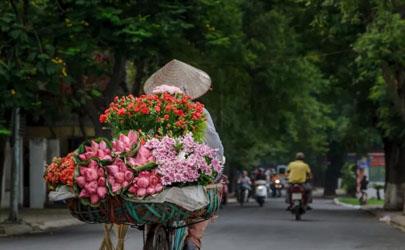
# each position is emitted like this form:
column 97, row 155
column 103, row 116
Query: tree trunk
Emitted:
column 336, row 156
column 3, row 141
column 140, row 74
column 395, row 174
column 14, row 216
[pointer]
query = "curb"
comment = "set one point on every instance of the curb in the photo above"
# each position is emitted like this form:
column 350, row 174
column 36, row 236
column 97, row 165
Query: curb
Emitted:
column 365, row 208
column 342, row 204
column 7, row 230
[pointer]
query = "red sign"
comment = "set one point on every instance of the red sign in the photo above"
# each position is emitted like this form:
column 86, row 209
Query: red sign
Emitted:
column 377, row 159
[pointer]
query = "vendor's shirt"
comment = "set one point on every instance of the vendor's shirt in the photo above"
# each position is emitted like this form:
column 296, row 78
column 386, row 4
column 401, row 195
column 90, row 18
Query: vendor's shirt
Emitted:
column 211, row 137
column 298, row 171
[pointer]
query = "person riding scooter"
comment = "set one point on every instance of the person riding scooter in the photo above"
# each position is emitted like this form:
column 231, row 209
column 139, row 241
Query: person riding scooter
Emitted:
column 244, row 187
column 298, row 172
column 276, row 185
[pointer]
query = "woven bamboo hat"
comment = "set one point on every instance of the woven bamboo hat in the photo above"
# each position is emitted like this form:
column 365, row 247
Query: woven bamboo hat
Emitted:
column 192, row 81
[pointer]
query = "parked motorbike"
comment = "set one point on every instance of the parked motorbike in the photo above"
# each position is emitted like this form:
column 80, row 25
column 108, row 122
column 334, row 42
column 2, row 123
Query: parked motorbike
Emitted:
column 276, row 187
column 261, row 192
column 298, row 200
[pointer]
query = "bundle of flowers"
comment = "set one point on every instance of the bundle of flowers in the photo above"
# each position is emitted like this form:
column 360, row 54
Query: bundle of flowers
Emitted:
column 156, row 114
column 96, row 149
column 60, row 172
column 126, row 144
column 156, row 144
column 119, row 176
column 91, row 182
column 184, row 161
column 146, row 183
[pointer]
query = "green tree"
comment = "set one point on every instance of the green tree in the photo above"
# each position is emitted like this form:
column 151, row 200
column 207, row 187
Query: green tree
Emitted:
column 368, row 38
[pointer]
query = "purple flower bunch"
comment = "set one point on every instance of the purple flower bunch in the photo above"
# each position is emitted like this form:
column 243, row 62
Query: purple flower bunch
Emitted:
column 182, row 160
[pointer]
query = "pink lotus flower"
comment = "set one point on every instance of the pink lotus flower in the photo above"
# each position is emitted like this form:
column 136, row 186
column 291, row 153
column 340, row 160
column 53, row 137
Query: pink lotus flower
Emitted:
column 101, row 191
column 129, row 175
column 91, row 187
column 96, row 150
column 91, row 182
column 144, row 156
column 146, row 183
column 125, row 143
column 141, row 192
column 94, row 198
column 83, row 194
column 81, row 181
column 119, row 176
column 90, row 174
column 142, row 182
column 101, row 182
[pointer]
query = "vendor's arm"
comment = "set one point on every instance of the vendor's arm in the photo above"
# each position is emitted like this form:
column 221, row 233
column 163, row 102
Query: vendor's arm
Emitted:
column 211, row 137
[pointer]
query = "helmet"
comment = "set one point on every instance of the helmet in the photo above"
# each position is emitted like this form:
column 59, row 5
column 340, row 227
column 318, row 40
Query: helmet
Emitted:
column 300, row 156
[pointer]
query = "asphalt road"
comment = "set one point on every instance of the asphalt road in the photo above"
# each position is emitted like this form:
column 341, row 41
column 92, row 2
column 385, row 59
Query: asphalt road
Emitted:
column 327, row 227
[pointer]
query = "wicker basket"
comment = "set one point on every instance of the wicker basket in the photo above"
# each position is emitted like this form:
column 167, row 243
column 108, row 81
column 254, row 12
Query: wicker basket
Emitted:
column 120, row 211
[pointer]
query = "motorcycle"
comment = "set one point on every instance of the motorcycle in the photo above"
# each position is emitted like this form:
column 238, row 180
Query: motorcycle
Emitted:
column 261, row 192
column 298, row 200
column 243, row 196
column 276, row 187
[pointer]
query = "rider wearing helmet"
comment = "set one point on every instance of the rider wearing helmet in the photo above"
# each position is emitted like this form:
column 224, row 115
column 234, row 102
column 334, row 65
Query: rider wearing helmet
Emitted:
column 260, row 175
column 300, row 173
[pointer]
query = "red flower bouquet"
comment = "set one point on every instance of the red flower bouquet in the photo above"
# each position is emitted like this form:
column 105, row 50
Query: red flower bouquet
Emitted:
column 156, row 115
column 60, row 172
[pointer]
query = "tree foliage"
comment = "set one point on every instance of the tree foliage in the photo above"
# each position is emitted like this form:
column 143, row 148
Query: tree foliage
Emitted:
column 321, row 76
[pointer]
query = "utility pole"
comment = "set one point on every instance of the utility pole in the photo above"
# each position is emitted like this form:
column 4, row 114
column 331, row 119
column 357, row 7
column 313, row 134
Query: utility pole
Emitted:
column 15, row 170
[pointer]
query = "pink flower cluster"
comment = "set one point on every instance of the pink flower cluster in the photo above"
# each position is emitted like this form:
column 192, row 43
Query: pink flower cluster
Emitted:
column 119, row 176
column 91, row 180
column 96, row 150
column 125, row 143
column 185, row 165
column 143, row 157
column 167, row 88
column 146, row 183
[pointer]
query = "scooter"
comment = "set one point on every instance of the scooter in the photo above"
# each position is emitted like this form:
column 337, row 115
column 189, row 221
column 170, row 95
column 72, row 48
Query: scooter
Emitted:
column 261, row 192
column 276, row 187
column 243, row 196
column 298, row 200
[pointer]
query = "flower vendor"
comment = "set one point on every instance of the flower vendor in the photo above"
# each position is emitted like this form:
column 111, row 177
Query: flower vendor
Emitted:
column 175, row 77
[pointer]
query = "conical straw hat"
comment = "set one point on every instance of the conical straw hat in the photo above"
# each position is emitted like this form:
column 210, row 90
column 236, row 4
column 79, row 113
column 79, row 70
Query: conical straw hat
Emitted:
column 192, row 81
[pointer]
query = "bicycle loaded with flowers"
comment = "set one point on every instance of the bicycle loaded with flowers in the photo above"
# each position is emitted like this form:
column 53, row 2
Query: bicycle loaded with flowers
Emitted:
column 157, row 144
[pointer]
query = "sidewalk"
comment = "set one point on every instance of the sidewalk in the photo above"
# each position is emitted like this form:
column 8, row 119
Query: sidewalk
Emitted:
column 394, row 218
column 37, row 220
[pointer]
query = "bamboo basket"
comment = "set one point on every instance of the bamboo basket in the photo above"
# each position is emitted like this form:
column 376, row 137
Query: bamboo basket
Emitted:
column 117, row 210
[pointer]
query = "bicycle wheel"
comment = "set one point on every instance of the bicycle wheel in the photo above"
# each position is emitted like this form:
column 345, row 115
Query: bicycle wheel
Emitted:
column 157, row 238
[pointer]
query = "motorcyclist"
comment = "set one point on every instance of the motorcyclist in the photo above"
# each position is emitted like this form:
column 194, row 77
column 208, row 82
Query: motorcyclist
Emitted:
column 276, row 185
column 298, row 172
column 260, row 175
column 244, row 182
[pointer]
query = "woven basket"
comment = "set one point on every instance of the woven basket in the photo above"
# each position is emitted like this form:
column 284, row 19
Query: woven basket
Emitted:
column 120, row 211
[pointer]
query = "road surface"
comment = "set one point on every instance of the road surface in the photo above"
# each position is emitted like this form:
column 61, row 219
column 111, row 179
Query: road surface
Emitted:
column 327, row 227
